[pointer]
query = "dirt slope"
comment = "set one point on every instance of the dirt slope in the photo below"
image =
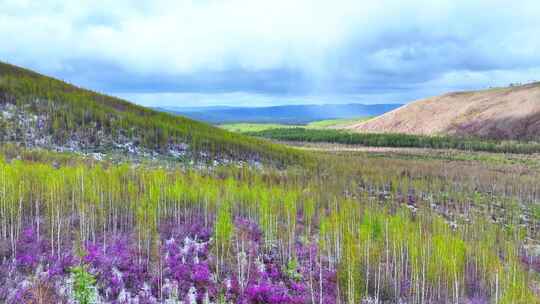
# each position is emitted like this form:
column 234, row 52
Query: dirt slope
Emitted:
column 502, row 113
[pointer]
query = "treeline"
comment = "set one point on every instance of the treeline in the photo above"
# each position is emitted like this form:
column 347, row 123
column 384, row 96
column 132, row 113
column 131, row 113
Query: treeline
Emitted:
column 72, row 112
column 398, row 140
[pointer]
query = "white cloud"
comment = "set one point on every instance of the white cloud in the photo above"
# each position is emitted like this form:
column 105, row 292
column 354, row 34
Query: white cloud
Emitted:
column 409, row 44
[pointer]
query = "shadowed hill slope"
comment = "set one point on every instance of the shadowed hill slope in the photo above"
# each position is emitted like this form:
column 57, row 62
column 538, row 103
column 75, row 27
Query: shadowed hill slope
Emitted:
column 500, row 113
column 37, row 110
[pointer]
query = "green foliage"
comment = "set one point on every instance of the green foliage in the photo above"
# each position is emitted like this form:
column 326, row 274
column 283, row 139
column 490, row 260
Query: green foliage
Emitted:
column 224, row 225
column 309, row 212
column 536, row 212
column 266, row 219
column 291, row 270
column 371, row 226
column 83, row 286
column 223, row 231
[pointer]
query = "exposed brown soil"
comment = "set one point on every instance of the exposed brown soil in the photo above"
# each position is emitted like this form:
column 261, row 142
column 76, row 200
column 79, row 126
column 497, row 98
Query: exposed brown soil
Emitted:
column 501, row 113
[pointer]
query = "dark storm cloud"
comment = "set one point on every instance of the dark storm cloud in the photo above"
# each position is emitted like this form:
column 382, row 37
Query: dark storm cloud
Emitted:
column 110, row 77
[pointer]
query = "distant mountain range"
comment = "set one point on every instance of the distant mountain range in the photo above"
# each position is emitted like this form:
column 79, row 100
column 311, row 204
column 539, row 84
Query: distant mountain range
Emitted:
column 286, row 114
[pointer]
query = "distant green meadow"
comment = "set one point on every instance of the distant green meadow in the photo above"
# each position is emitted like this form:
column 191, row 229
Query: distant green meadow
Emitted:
column 322, row 124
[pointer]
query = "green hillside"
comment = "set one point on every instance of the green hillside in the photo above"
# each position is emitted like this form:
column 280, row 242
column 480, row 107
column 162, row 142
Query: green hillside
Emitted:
column 67, row 113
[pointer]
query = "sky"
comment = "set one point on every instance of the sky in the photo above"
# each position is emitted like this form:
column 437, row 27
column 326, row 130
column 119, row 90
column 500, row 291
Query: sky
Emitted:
column 258, row 53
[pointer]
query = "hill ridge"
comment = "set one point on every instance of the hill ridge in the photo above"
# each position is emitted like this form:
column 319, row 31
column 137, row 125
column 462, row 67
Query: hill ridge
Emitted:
column 497, row 113
column 40, row 111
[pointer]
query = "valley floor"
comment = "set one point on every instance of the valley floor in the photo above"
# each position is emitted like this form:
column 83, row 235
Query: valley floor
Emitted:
column 390, row 226
column 529, row 160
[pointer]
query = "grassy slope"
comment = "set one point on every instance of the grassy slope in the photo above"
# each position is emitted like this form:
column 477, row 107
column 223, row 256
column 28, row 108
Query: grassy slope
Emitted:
column 72, row 109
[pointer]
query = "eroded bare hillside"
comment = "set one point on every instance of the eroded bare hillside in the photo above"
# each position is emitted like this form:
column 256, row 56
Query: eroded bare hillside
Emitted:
column 502, row 113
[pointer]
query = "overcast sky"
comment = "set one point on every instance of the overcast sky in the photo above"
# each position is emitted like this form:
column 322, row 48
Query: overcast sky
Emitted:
column 204, row 52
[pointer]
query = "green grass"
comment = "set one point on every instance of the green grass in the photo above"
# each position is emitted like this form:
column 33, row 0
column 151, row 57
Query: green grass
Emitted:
column 335, row 123
column 254, row 127
column 321, row 124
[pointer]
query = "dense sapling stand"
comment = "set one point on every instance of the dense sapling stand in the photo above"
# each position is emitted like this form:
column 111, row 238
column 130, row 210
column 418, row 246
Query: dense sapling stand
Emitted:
column 105, row 233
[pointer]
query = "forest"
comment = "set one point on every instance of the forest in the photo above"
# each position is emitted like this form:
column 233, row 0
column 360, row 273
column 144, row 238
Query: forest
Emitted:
column 397, row 140
column 351, row 229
